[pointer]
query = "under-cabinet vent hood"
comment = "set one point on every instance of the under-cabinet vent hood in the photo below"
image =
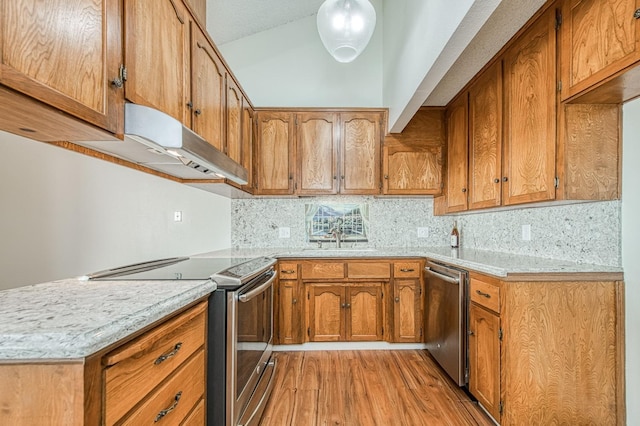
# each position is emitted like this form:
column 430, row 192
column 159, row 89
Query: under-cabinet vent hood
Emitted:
column 158, row 141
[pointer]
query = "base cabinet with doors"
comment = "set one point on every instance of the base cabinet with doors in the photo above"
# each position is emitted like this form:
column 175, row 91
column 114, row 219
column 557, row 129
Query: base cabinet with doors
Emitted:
column 547, row 351
column 157, row 376
column 349, row 300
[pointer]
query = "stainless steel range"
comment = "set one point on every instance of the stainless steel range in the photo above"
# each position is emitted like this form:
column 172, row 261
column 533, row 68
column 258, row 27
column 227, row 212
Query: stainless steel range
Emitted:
column 240, row 370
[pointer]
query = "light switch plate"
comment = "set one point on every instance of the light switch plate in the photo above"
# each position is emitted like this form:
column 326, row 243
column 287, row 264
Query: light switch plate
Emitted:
column 423, row 232
column 284, row 232
column 526, row 232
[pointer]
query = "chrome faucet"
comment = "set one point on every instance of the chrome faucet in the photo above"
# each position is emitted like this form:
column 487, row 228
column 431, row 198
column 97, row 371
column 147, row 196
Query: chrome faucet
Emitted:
column 336, row 231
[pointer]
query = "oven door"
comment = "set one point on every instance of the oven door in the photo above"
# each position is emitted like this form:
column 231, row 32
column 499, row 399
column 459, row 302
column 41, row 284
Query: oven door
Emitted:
column 249, row 341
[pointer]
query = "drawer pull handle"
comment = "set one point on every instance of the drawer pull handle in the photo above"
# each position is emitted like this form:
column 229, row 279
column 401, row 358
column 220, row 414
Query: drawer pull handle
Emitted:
column 487, row 295
column 170, row 408
column 162, row 358
column 287, row 271
column 407, row 270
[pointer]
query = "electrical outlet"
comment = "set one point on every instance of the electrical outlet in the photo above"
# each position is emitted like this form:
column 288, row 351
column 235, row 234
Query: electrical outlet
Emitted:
column 177, row 216
column 284, row 232
column 423, row 232
column 526, row 232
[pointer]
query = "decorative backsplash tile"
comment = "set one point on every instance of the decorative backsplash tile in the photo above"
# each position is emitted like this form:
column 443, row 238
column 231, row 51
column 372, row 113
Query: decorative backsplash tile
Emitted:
column 586, row 232
column 324, row 220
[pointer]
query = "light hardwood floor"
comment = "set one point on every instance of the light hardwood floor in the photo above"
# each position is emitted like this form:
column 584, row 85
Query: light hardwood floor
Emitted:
column 362, row 388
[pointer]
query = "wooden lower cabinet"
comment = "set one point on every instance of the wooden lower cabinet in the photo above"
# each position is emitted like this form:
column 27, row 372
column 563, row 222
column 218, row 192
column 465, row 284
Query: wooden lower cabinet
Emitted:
column 289, row 314
column 345, row 312
column 407, row 311
column 484, row 358
column 132, row 384
column 547, row 352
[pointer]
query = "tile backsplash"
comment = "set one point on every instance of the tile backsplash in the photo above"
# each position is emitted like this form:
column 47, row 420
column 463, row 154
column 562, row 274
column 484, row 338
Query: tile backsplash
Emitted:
column 585, row 232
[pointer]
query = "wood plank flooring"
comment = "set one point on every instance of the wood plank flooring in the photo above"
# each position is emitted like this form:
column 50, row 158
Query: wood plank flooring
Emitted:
column 362, row 388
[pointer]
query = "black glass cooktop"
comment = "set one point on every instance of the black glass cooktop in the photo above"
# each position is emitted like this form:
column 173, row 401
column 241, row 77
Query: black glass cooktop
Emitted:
column 230, row 270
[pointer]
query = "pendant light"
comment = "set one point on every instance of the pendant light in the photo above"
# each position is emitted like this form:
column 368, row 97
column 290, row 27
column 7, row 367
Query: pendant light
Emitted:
column 345, row 27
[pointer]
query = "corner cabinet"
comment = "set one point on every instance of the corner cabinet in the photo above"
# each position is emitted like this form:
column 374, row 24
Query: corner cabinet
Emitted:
column 543, row 351
column 413, row 160
column 66, row 55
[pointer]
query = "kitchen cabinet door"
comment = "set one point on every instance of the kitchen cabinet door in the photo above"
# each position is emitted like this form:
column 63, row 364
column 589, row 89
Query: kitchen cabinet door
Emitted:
column 208, row 79
column 248, row 142
column 235, row 101
column 317, row 149
column 364, row 313
column 484, row 358
column 65, row 54
column 199, row 9
column 326, row 306
column 289, row 313
column 530, row 115
column 457, row 154
column 599, row 38
column 485, row 139
column 360, row 139
column 157, row 56
column 407, row 311
column 413, row 160
column 274, row 153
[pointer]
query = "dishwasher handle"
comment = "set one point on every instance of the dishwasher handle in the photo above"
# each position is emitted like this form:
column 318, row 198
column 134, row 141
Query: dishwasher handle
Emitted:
column 447, row 278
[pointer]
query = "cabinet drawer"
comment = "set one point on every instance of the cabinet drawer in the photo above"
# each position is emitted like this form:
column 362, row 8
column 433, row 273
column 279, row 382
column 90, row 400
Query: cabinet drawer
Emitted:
column 136, row 368
column 323, row 270
column 171, row 402
column 288, row 271
column 368, row 270
column 485, row 294
column 406, row 270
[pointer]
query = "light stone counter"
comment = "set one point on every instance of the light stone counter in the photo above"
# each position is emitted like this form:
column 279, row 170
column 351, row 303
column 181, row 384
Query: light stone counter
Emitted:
column 72, row 318
column 489, row 262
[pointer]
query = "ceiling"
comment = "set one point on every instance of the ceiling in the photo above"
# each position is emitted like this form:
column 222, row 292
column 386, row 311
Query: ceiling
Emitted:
column 231, row 20
column 487, row 27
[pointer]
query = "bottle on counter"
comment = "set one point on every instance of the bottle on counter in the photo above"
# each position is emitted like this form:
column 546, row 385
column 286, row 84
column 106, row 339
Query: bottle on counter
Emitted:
column 455, row 235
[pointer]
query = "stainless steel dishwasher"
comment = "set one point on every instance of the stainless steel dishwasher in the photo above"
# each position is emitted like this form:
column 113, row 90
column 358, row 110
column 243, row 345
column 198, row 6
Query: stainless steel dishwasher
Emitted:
column 446, row 319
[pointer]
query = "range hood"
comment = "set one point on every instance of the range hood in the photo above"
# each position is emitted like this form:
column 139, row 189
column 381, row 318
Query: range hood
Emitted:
column 158, row 141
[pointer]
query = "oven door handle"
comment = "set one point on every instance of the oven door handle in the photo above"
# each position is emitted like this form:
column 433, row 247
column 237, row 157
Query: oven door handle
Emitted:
column 256, row 291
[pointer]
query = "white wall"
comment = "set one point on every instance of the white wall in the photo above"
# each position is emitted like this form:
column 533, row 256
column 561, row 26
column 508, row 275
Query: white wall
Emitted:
column 287, row 67
column 64, row 214
column 631, row 253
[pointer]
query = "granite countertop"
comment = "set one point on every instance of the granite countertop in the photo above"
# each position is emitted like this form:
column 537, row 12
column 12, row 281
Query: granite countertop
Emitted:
column 489, row 262
column 73, row 318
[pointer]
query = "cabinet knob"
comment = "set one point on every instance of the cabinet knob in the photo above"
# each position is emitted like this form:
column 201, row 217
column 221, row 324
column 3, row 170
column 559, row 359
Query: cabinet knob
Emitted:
column 496, row 180
column 190, row 105
column 397, row 300
column 117, row 82
column 335, row 177
column 294, row 301
column 386, row 176
column 344, row 305
column 464, row 189
column 470, row 332
column 342, row 177
column 505, row 179
column 636, row 14
column 348, row 305
column 198, row 111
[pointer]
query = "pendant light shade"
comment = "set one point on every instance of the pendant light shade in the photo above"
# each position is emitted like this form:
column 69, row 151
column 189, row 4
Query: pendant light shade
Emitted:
column 345, row 27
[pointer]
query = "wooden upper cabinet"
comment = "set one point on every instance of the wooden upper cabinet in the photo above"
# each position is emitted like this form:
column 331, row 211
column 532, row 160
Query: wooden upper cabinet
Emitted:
column 360, row 136
column 598, row 39
column 208, row 80
column 199, row 9
column 485, row 139
column 235, row 101
column 413, row 160
column 248, row 141
column 274, row 153
column 457, row 154
column 317, row 149
column 65, row 54
column 530, row 114
column 157, row 56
